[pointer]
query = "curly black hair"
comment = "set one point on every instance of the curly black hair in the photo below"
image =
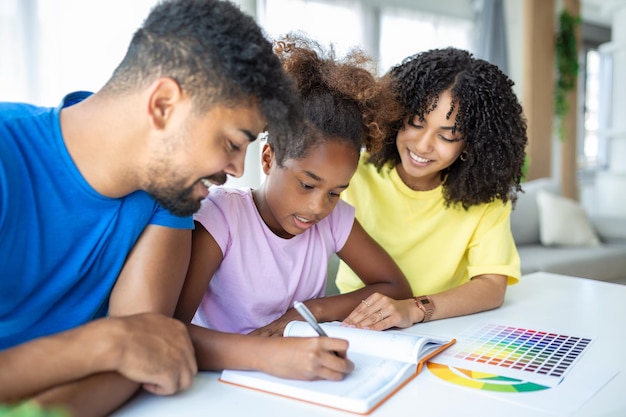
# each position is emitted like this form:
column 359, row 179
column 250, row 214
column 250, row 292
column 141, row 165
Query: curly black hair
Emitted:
column 217, row 54
column 342, row 99
column 490, row 120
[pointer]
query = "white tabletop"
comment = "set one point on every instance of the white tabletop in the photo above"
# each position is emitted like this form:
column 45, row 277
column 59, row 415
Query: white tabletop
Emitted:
column 543, row 301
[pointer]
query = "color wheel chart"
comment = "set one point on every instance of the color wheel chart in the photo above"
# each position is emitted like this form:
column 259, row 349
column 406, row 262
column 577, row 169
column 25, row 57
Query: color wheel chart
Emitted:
column 497, row 357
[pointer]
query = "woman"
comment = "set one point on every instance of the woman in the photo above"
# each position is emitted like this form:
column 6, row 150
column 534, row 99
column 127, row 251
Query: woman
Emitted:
column 438, row 195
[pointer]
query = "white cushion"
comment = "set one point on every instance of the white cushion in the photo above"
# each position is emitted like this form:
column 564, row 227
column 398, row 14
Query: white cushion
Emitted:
column 525, row 214
column 563, row 221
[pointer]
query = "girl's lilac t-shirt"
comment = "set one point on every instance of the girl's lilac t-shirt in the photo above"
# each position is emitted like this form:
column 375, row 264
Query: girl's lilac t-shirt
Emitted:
column 261, row 274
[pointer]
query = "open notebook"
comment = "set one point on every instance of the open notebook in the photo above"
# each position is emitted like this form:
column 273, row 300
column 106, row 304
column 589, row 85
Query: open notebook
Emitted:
column 384, row 362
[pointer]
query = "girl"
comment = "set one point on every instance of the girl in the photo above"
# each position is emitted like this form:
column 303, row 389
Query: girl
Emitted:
column 255, row 252
column 438, row 194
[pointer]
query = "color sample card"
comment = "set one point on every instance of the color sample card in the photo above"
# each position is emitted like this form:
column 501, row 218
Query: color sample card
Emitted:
column 537, row 356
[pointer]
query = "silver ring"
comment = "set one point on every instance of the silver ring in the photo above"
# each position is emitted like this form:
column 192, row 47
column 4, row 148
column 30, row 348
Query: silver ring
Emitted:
column 380, row 313
column 366, row 303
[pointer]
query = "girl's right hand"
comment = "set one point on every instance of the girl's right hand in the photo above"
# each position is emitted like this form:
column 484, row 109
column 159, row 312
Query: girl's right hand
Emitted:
column 308, row 358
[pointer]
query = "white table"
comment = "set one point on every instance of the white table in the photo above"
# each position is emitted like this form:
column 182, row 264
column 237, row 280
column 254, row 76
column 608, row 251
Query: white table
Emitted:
column 572, row 306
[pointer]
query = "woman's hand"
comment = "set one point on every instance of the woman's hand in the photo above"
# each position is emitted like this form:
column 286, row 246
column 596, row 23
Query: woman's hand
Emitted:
column 379, row 312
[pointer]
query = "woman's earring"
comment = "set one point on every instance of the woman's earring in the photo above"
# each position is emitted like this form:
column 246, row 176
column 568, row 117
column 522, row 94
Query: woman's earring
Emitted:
column 463, row 156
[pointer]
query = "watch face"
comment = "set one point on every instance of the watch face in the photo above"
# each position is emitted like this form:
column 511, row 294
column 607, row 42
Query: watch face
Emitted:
column 425, row 301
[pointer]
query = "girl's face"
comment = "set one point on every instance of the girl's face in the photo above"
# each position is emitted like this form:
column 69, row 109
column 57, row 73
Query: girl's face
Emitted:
column 302, row 192
column 426, row 148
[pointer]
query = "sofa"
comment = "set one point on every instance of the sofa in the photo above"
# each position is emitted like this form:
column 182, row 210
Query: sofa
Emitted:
column 597, row 252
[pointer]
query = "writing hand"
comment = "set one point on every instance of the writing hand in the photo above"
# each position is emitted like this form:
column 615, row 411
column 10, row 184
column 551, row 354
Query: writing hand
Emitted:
column 379, row 312
column 151, row 349
column 308, row 358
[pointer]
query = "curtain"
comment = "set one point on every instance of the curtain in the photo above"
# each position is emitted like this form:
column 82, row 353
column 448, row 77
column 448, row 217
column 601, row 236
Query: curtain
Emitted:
column 491, row 33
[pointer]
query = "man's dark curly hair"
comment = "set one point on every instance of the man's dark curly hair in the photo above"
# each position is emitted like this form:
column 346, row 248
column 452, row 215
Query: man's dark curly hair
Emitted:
column 217, row 54
column 489, row 119
column 342, row 98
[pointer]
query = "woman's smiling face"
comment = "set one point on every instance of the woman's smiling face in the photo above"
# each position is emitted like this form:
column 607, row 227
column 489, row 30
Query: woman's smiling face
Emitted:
column 430, row 146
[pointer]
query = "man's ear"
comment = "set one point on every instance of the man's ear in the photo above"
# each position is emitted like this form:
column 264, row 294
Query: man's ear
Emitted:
column 165, row 93
column 267, row 158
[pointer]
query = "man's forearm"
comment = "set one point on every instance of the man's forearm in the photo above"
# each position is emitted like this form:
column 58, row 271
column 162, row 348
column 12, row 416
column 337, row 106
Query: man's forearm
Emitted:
column 41, row 364
column 93, row 396
column 148, row 348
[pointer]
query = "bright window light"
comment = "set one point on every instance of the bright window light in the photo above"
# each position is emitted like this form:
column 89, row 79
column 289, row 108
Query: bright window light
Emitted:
column 404, row 33
column 337, row 23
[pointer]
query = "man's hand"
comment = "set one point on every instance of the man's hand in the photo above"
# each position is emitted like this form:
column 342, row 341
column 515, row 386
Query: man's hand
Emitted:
column 151, row 349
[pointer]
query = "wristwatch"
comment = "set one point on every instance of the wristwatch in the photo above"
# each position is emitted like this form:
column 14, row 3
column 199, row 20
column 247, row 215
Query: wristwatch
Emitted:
column 425, row 304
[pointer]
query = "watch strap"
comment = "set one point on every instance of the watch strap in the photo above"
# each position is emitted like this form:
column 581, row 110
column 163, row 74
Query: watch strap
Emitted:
column 425, row 304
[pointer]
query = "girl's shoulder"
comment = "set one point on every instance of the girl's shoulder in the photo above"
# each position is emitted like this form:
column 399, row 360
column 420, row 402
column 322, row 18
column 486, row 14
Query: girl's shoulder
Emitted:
column 230, row 195
column 226, row 200
column 343, row 209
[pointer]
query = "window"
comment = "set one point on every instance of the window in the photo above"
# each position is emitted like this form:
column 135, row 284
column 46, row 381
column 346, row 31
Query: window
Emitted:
column 387, row 33
column 337, row 23
column 405, row 32
column 60, row 46
column 14, row 71
column 595, row 75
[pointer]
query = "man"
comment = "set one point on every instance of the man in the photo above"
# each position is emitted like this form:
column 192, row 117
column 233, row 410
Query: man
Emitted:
column 95, row 204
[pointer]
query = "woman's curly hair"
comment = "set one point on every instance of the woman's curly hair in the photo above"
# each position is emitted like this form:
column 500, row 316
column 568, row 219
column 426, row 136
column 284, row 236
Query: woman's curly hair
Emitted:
column 342, row 98
column 489, row 118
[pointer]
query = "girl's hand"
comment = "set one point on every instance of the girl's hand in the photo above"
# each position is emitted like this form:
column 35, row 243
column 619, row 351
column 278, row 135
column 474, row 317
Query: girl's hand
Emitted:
column 379, row 312
column 308, row 358
column 277, row 327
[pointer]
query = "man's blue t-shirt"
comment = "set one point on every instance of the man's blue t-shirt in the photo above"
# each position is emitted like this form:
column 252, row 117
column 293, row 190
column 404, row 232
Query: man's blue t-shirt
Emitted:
column 62, row 244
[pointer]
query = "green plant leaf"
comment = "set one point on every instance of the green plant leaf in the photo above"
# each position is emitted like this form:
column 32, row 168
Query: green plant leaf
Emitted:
column 567, row 66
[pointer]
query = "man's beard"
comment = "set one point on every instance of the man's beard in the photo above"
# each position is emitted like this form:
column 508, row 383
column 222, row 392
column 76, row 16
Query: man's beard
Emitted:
column 178, row 200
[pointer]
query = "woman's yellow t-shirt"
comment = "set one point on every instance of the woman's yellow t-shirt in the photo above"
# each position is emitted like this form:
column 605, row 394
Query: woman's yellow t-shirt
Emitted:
column 437, row 248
